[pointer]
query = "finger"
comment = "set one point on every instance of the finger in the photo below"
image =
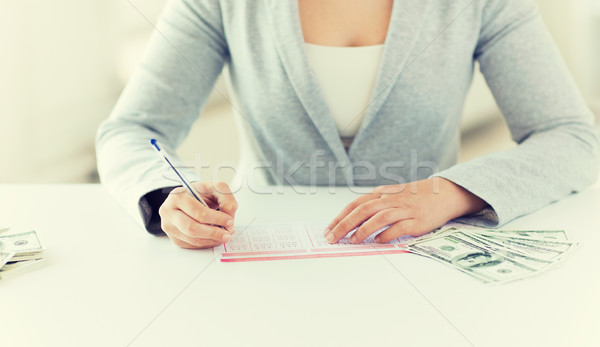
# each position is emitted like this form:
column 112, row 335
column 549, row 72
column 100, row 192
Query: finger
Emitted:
column 184, row 241
column 355, row 218
column 202, row 214
column 404, row 227
column 221, row 194
column 379, row 220
column 194, row 230
column 183, row 244
column 349, row 208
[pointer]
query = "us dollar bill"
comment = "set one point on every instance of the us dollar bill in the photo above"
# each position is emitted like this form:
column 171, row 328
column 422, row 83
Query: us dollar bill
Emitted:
column 27, row 256
column 531, row 261
column 433, row 234
column 458, row 250
column 5, row 257
column 547, row 235
column 542, row 249
column 26, row 242
column 14, row 269
column 19, row 252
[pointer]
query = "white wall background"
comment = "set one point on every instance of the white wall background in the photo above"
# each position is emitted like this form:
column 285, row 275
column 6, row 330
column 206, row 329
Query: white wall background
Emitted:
column 57, row 81
column 63, row 64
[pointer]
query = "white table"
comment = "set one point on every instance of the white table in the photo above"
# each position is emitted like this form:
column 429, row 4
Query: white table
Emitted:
column 108, row 283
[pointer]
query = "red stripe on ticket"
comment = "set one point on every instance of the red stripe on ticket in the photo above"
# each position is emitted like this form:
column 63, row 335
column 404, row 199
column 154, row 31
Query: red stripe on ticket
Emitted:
column 315, row 255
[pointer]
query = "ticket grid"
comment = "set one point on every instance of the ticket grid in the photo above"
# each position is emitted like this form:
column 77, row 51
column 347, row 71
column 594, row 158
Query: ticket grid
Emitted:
column 298, row 241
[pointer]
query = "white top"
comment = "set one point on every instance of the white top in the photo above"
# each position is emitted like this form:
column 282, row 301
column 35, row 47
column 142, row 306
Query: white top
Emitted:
column 346, row 76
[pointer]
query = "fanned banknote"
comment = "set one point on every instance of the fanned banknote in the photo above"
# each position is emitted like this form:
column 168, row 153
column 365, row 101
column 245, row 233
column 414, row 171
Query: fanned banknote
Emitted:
column 17, row 268
column 19, row 252
column 548, row 235
column 5, row 257
column 495, row 256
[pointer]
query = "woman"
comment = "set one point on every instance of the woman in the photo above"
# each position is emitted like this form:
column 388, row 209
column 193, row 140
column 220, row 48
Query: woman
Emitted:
column 418, row 58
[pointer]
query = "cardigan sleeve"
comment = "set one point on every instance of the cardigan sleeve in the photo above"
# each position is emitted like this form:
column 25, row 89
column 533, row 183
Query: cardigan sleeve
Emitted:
column 185, row 55
column 557, row 152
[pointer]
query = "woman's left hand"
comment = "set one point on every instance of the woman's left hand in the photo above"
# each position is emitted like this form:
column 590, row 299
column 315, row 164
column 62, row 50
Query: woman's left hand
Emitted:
column 412, row 209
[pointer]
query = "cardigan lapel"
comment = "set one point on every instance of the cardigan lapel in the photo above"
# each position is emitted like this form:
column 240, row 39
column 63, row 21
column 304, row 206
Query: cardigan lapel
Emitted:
column 287, row 32
column 399, row 51
column 406, row 23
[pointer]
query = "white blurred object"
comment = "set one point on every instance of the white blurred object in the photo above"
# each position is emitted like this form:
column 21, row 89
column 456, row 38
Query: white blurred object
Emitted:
column 594, row 55
column 575, row 27
column 480, row 107
column 57, row 84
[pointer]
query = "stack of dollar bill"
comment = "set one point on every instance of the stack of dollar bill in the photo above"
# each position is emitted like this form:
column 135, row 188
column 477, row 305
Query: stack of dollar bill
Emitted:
column 19, row 252
column 495, row 256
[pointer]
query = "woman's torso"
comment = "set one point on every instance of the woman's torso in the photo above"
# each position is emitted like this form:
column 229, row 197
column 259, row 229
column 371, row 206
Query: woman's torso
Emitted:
column 344, row 43
column 413, row 115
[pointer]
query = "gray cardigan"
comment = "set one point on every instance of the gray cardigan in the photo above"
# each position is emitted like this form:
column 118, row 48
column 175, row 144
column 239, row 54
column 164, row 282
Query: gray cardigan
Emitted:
column 411, row 127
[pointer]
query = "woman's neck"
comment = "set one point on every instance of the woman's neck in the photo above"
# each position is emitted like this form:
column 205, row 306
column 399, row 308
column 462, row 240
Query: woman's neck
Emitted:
column 345, row 22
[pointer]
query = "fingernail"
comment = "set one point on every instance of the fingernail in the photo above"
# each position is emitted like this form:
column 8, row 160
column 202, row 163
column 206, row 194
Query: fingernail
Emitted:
column 226, row 238
column 377, row 239
column 353, row 238
column 229, row 223
column 326, row 231
column 329, row 237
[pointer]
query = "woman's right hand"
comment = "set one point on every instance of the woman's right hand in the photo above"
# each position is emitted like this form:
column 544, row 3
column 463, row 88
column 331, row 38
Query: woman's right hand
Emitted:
column 189, row 224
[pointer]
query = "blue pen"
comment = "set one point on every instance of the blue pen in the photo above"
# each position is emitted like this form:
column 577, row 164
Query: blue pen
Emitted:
column 182, row 179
